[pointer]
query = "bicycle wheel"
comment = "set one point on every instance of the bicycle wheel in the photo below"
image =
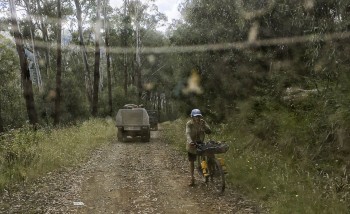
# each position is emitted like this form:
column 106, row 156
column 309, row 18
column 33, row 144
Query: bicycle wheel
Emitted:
column 217, row 175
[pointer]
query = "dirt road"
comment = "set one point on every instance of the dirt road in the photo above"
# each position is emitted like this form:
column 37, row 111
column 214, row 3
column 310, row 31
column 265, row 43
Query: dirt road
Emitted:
column 131, row 177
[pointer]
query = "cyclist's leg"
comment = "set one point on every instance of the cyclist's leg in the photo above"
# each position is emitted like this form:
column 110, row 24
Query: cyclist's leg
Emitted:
column 191, row 159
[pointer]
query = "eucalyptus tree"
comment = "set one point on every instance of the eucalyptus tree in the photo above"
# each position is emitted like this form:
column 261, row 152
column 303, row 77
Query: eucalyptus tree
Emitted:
column 43, row 26
column 156, row 69
column 108, row 57
column 88, row 84
column 44, row 19
column 12, row 113
column 31, row 10
column 59, row 65
column 97, row 60
column 145, row 19
column 1, row 121
column 25, row 74
column 125, row 35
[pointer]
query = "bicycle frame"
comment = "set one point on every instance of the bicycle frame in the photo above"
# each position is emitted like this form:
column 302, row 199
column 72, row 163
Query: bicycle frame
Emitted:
column 215, row 171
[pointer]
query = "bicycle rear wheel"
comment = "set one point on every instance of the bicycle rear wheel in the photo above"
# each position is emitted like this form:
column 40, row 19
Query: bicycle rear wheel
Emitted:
column 217, row 175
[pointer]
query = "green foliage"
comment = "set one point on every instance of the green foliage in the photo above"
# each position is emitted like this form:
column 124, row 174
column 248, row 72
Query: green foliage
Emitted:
column 16, row 155
column 75, row 105
column 264, row 171
column 12, row 111
column 173, row 131
column 26, row 154
column 303, row 145
column 296, row 144
column 301, row 136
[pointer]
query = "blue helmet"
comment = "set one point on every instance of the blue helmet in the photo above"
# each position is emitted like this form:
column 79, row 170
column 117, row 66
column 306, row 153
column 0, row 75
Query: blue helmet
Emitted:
column 195, row 113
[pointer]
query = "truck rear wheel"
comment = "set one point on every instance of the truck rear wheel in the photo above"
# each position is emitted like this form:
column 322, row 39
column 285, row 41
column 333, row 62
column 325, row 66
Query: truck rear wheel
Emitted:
column 124, row 137
column 146, row 137
column 120, row 135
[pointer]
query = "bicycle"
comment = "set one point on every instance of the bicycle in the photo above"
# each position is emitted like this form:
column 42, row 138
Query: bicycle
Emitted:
column 210, row 167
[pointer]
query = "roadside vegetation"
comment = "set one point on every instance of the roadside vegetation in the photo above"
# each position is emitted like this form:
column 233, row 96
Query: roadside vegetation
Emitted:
column 282, row 174
column 272, row 77
column 26, row 154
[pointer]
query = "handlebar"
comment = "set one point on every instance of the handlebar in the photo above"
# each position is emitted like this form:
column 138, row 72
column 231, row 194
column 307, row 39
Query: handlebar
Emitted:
column 211, row 147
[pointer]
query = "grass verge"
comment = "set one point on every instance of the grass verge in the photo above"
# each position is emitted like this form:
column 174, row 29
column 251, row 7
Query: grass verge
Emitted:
column 277, row 181
column 26, row 155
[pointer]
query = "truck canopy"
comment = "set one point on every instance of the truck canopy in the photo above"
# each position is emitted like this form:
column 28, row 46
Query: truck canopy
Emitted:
column 132, row 117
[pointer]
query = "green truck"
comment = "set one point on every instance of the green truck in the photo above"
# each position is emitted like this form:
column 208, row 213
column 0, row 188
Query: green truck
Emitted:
column 133, row 122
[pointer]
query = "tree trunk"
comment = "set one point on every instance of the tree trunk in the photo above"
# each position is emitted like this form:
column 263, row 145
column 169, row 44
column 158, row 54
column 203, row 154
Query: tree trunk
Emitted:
column 138, row 58
column 59, row 66
column 125, row 45
column 154, row 100
column 25, row 74
column 125, row 75
column 109, row 79
column 97, row 62
column 46, row 40
column 84, row 53
column 148, row 99
column 159, row 104
column 32, row 29
column 1, row 123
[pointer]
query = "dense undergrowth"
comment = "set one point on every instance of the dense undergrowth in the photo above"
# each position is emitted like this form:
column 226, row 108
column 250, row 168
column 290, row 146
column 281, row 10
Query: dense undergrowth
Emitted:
column 26, row 154
column 290, row 160
column 278, row 158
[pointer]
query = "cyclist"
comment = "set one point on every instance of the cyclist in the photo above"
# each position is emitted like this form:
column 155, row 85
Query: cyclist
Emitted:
column 196, row 128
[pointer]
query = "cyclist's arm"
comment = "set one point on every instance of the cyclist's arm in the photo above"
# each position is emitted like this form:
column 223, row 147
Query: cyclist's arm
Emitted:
column 188, row 133
column 206, row 127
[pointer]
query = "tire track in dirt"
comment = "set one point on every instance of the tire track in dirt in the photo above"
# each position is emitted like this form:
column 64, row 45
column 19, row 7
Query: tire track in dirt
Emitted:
column 135, row 177
column 125, row 177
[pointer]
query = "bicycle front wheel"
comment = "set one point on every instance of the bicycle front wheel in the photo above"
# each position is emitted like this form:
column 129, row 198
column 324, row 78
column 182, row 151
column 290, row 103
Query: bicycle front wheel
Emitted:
column 217, row 176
